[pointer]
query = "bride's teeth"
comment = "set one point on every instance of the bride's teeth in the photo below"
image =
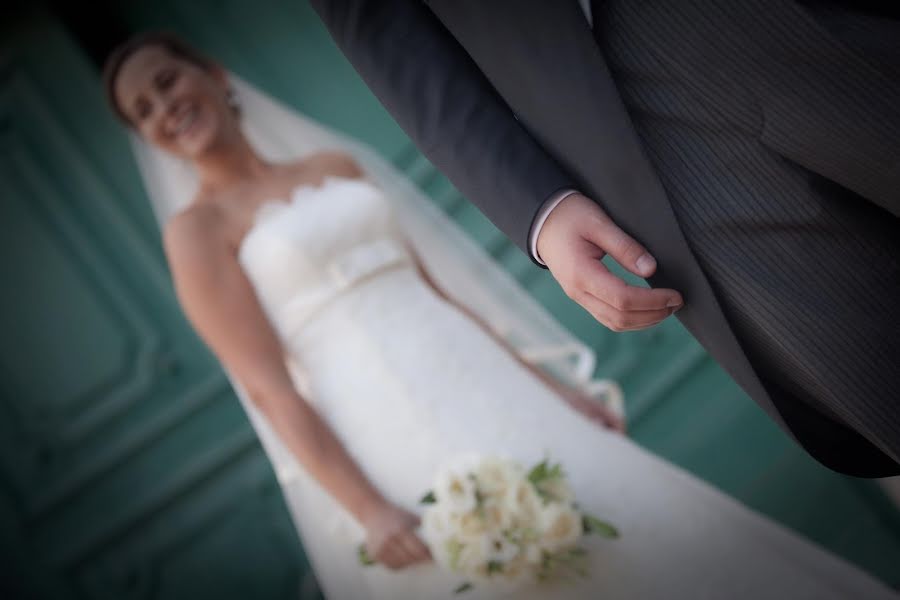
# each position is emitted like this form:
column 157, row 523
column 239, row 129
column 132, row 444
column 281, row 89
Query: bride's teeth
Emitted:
column 186, row 121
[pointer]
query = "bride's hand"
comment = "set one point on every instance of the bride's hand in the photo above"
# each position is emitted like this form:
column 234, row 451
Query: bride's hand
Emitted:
column 595, row 411
column 391, row 539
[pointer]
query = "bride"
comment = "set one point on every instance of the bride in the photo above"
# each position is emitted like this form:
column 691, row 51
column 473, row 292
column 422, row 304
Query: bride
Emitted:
column 330, row 300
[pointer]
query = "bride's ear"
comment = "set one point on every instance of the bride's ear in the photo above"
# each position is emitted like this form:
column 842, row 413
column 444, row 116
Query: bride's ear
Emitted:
column 221, row 76
column 219, row 73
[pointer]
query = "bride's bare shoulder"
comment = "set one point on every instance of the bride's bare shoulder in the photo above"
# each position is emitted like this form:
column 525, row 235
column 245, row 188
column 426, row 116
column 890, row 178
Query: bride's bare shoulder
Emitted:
column 193, row 228
column 336, row 164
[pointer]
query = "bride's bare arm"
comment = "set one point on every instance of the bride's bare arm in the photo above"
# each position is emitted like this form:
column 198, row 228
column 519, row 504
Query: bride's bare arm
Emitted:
column 337, row 164
column 575, row 398
column 222, row 306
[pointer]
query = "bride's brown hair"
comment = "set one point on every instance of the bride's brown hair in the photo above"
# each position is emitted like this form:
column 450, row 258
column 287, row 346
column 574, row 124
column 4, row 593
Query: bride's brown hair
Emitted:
column 164, row 39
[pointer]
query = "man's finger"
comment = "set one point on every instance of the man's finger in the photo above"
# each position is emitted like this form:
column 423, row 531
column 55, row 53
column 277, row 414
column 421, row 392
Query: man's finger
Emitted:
column 595, row 279
column 618, row 320
column 624, row 249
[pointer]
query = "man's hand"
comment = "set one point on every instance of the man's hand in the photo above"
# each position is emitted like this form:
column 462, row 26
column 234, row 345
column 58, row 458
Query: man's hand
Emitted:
column 572, row 242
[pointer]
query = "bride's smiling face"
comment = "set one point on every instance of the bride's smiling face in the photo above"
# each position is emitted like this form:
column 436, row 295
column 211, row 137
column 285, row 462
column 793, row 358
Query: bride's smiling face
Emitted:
column 175, row 104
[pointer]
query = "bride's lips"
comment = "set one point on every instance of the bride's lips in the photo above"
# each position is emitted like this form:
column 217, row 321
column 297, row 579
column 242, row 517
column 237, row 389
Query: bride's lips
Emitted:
column 183, row 121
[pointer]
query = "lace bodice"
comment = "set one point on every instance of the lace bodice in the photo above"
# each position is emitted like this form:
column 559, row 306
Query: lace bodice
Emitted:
column 303, row 254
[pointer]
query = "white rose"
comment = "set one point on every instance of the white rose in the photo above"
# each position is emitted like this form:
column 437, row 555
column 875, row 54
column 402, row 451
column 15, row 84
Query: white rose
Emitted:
column 473, row 557
column 495, row 476
column 470, row 526
column 500, row 549
column 522, row 502
column 453, row 554
column 559, row 525
column 558, row 489
column 515, row 573
column 455, row 491
column 518, row 572
column 436, row 529
column 496, row 515
column 476, row 556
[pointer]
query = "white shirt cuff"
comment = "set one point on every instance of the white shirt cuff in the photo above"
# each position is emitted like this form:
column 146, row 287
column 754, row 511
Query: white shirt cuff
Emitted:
column 541, row 218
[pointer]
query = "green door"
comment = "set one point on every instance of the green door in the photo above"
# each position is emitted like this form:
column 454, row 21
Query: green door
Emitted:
column 128, row 467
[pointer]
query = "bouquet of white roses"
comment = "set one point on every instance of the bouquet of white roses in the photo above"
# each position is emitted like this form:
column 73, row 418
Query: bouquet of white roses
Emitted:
column 490, row 520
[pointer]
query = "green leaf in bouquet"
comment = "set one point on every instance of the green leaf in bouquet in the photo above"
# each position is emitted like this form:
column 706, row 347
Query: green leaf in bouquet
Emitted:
column 363, row 554
column 463, row 587
column 428, row 498
column 542, row 473
column 594, row 525
column 538, row 472
column 576, row 558
column 555, row 472
column 494, row 566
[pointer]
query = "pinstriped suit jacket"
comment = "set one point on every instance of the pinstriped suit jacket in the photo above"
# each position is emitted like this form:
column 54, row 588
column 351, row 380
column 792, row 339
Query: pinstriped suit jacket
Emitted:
column 465, row 76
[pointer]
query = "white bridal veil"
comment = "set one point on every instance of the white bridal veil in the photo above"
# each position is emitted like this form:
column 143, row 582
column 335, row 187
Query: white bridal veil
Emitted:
column 458, row 265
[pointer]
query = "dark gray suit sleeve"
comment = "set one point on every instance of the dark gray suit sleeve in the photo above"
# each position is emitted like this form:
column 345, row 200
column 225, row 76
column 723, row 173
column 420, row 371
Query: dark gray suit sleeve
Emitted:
column 445, row 104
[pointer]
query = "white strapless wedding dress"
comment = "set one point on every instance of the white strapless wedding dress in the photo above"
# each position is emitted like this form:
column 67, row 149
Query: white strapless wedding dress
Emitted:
column 407, row 382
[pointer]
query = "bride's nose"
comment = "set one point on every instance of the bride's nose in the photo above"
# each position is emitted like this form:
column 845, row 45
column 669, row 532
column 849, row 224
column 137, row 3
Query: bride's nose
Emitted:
column 167, row 105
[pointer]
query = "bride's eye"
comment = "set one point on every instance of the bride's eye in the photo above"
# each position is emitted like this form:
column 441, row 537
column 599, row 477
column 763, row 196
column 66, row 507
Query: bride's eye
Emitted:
column 142, row 109
column 166, row 79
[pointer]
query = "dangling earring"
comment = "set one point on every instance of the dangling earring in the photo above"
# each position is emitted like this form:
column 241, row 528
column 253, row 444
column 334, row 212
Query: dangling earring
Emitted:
column 232, row 100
